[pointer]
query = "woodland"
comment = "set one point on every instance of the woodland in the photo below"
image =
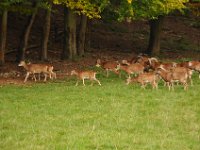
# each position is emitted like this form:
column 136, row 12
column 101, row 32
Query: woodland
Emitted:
column 69, row 22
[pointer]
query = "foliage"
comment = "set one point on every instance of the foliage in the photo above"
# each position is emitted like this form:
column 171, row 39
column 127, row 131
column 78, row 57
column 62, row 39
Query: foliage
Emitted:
column 23, row 6
column 154, row 8
column 194, row 7
column 137, row 9
column 91, row 8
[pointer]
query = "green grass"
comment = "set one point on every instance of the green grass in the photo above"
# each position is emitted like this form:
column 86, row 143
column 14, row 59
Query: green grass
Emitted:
column 58, row 115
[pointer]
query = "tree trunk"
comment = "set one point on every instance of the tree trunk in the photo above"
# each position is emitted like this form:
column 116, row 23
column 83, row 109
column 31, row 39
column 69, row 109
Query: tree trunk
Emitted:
column 65, row 51
column 25, row 37
column 72, row 34
column 88, row 35
column 3, row 36
column 46, row 30
column 81, row 37
column 154, row 39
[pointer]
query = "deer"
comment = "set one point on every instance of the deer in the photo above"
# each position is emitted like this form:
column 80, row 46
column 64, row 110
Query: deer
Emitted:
column 52, row 75
column 155, row 64
column 194, row 65
column 170, row 76
column 36, row 68
column 136, row 68
column 183, row 64
column 82, row 75
column 185, row 70
column 109, row 66
column 144, row 78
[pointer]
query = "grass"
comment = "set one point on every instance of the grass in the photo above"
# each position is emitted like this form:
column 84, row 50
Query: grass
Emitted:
column 57, row 115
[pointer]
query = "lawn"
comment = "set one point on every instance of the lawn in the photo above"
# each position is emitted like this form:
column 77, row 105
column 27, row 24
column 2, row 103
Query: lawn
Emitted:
column 60, row 116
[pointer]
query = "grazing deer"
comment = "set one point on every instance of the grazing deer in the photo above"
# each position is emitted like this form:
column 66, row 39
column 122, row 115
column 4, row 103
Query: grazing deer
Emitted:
column 109, row 66
column 82, row 75
column 36, row 68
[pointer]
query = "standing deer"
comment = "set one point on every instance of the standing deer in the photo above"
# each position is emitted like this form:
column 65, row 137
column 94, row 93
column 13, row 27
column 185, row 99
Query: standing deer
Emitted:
column 37, row 68
column 109, row 66
column 82, row 75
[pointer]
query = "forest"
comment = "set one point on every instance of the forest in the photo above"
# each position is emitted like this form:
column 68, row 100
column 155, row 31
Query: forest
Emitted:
column 75, row 21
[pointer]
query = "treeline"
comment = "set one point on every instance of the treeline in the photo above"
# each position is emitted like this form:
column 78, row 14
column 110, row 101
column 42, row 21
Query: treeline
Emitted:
column 74, row 43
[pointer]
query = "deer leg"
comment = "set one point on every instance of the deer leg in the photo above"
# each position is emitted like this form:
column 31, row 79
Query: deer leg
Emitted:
column 92, row 82
column 83, row 82
column 107, row 73
column 50, row 75
column 45, row 77
column 54, row 74
column 169, row 86
column 34, row 77
column 120, row 74
column 39, row 76
column 164, row 83
column 185, row 85
column 77, row 83
column 191, row 82
column 172, row 85
column 143, row 85
column 155, row 85
column 97, row 81
column 27, row 75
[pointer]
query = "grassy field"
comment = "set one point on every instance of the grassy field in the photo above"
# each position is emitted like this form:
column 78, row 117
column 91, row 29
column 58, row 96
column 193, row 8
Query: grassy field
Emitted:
column 59, row 116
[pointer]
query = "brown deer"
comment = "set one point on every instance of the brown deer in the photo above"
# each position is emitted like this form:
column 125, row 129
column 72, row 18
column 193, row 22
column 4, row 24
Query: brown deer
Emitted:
column 180, row 74
column 109, row 66
column 145, row 78
column 37, row 68
column 136, row 68
column 82, row 75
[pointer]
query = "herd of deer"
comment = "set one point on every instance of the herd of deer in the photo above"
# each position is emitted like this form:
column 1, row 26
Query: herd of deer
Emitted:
column 145, row 70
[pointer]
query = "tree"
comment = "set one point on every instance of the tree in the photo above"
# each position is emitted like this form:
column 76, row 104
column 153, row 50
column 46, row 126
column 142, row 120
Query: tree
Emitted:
column 71, row 28
column 65, row 51
column 154, row 11
column 154, row 37
column 5, row 7
column 46, row 30
column 25, row 36
column 91, row 9
column 194, row 6
column 33, row 7
column 3, row 36
column 81, row 36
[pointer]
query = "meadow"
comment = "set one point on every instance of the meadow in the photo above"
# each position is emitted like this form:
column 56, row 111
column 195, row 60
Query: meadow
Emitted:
column 58, row 115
